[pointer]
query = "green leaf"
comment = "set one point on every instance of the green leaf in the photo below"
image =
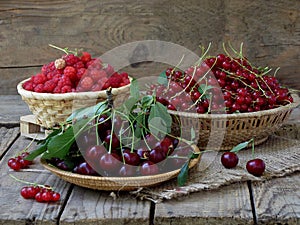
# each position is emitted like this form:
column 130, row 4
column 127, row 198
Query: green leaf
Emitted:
column 183, row 174
column 59, row 145
column 160, row 121
column 134, row 89
column 128, row 105
column 147, row 100
column 162, row 79
column 240, row 146
column 140, row 124
column 88, row 111
column 37, row 152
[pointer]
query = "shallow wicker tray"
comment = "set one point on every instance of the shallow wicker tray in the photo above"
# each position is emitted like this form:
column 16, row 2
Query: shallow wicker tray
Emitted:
column 52, row 109
column 224, row 131
column 116, row 183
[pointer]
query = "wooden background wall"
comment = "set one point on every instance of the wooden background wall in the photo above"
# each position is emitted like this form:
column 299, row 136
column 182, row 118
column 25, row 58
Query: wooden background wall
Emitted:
column 270, row 30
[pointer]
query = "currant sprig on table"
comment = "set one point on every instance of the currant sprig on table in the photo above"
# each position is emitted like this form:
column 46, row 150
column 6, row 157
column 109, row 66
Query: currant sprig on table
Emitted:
column 39, row 192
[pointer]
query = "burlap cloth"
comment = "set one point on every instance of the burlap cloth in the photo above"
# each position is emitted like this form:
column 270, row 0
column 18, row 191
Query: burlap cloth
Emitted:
column 281, row 153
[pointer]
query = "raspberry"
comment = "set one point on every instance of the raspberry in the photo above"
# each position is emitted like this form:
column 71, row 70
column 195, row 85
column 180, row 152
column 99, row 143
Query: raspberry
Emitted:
column 60, row 63
column 48, row 68
column 97, row 75
column 86, row 57
column 39, row 78
column 39, row 88
column 70, row 59
column 80, row 73
column 96, row 87
column 49, row 86
column 78, row 65
column 109, row 69
column 94, row 63
column 86, row 83
column 70, row 72
column 66, row 89
column 65, row 80
column 28, row 85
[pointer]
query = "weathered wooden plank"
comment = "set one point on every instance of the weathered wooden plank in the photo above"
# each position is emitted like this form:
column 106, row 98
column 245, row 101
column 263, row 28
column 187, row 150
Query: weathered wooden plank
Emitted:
column 16, row 210
column 12, row 108
column 277, row 201
column 227, row 205
column 87, row 206
column 7, row 137
column 270, row 31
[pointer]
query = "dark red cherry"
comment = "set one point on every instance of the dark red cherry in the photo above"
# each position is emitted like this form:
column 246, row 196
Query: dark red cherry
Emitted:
column 131, row 158
column 127, row 171
column 229, row 160
column 256, row 167
column 110, row 162
column 157, row 155
column 149, row 168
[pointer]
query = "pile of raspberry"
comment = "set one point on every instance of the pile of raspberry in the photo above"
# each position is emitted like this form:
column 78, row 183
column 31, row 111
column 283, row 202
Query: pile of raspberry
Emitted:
column 72, row 73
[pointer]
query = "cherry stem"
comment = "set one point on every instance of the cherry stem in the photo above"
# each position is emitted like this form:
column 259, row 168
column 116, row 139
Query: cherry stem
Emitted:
column 252, row 147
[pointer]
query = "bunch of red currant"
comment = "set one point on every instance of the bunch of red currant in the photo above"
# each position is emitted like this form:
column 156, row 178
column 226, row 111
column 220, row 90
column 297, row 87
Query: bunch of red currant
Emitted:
column 221, row 84
column 41, row 193
column 19, row 162
column 74, row 73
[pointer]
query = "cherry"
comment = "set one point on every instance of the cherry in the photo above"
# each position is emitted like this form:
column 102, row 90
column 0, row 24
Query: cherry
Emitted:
column 229, row 160
column 143, row 152
column 110, row 162
column 149, row 168
column 95, row 152
column 156, row 155
column 85, row 169
column 256, row 167
column 127, row 170
column 131, row 158
column 112, row 139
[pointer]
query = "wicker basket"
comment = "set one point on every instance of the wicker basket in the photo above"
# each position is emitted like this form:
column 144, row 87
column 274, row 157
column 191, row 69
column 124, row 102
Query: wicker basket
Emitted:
column 224, row 131
column 52, row 109
column 116, row 183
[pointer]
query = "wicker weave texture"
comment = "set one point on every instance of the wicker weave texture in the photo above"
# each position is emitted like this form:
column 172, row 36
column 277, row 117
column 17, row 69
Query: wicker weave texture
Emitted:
column 224, row 131
column 53, row 109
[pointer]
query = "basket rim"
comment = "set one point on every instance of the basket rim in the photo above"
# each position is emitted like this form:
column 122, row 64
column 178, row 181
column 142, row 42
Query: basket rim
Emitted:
column 66, row 96
column 123, row 181
column 280, row 109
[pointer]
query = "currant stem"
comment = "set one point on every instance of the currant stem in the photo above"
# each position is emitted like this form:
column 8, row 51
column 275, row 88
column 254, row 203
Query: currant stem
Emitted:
column 30, row 183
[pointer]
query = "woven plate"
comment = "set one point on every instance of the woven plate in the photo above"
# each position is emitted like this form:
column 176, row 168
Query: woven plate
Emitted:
column 224, row 131
column 52, row 109
column 116, row 183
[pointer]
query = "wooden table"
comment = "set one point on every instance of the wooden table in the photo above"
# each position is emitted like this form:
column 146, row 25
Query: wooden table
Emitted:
column 275, row 201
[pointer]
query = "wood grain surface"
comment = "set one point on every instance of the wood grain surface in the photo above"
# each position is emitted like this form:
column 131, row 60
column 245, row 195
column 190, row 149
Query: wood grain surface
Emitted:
column 277, row 201
column 227, row 205
column 269, row 31
column 101, row 207
column 16, row 210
